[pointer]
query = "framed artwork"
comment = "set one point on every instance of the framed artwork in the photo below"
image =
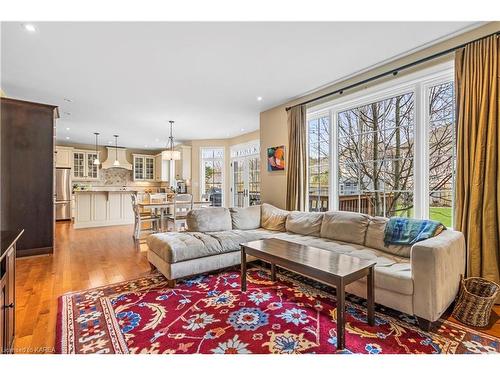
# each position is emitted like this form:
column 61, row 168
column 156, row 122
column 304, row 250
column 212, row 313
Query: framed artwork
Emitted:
column 276, row 158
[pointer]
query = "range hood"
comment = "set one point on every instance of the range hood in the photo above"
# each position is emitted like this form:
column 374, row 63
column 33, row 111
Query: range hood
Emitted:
column 116, row 154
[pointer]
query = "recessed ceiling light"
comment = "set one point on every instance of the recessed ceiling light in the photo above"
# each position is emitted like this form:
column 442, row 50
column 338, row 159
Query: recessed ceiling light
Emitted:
column 242, row 129
column 110, row 142
column 29, row 27
column 259, row 98
column 67, row 137
column 157, row 140
column 67, row 128
column 145, row 145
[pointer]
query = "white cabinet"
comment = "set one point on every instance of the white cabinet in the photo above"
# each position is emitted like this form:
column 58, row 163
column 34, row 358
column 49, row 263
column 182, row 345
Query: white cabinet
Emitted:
column 162, row 169
column 144, row 167
column 64, row 157
column 83, row 165
column 103, row 208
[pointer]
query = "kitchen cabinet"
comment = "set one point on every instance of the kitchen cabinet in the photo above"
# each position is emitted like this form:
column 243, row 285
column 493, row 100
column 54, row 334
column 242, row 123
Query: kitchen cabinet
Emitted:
column 84, row 168
column 103, row 208
column 64, row 157
column 8, row 288
column 162, row 169
column 144, row 167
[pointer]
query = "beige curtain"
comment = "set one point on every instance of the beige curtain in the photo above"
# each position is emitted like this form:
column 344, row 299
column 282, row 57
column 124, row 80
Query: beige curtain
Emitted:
column 477, row 197
column 296, row 179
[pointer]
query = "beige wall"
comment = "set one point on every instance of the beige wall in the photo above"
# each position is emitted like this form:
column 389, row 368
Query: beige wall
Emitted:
column 224, row 143
column 273, row 122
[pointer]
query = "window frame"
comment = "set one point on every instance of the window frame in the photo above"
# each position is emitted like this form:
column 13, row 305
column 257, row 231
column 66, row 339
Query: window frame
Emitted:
column 419, row 83
column 317, row 116
column 241, row 153
column 202, row 171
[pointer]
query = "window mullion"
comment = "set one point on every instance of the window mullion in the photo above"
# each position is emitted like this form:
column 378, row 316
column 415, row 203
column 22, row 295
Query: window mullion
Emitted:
column 421, row 155
column 333, row 201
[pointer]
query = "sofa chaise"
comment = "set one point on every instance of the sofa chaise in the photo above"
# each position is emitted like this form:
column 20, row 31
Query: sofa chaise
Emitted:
column 421, row 280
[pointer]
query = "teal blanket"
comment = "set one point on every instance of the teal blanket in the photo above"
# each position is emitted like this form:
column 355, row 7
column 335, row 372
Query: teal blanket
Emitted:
column 403, row 231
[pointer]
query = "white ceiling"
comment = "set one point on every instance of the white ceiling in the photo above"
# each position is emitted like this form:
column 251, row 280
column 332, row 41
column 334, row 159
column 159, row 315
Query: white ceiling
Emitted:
column 131, row 78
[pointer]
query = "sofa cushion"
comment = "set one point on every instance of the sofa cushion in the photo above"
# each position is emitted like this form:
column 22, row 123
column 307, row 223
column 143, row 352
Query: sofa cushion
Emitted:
column 173, row 247
column 245, row 218
column 345, row 226
column 375, row 238
column 230, row 240
column 306, row 223
column 391, row 272
column 273, row 218
column 212, row 219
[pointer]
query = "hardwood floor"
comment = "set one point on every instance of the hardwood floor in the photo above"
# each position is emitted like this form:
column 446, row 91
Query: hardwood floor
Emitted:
column 83, row 258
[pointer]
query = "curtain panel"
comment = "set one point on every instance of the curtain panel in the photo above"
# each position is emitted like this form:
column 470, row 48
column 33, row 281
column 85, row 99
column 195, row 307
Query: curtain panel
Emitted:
column 477, row 193
column 296, row 179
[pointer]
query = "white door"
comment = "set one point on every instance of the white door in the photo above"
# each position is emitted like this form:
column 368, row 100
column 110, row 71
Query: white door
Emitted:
column 245, row 187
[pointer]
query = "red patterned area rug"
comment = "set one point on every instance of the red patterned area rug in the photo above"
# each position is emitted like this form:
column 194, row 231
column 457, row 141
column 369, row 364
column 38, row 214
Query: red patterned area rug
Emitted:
column 209, row 314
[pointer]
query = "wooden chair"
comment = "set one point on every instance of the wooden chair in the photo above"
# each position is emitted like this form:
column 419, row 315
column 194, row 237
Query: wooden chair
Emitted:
column 143, row 217
column 183, row 203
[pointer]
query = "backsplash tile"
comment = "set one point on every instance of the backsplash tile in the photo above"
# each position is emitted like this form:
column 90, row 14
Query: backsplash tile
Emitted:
column 116, row 177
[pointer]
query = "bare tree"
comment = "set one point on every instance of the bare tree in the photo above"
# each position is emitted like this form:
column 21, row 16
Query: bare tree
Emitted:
column 376, row 152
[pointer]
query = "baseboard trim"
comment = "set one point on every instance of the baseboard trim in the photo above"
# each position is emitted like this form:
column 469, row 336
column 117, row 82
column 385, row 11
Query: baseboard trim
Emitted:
column 36, row 251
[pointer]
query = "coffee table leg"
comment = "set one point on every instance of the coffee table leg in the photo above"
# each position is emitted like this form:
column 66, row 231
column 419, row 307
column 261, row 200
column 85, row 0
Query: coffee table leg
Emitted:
column 370, row 293
column 273, row 272
column 340, row 316
column 243, row 270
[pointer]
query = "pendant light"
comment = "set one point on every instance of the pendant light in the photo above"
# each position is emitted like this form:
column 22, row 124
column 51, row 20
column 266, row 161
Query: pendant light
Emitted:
column 96, row 160
column 116, row 162
column 170, row 153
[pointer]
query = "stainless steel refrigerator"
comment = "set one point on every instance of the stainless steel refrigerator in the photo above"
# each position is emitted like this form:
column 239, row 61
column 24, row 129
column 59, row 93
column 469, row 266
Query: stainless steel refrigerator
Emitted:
column 63, row 193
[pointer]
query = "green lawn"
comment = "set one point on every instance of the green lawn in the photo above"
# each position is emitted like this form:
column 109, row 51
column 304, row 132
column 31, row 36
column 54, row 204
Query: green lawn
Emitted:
column 442, row 214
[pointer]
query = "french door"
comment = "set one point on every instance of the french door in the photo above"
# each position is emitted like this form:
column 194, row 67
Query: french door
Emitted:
column 245, row 188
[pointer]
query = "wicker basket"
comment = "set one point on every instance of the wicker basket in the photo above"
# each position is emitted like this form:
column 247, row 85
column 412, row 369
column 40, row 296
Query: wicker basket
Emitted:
column 475, row 301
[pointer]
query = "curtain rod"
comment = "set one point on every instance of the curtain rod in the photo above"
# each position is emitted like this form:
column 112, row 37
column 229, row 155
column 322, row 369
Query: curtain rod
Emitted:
column 394, row 71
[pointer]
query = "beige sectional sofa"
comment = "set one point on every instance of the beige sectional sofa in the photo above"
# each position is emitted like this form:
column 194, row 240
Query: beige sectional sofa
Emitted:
column 420, row 280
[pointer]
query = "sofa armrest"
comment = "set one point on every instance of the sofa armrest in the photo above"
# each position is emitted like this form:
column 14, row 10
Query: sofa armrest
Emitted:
column 436, row 266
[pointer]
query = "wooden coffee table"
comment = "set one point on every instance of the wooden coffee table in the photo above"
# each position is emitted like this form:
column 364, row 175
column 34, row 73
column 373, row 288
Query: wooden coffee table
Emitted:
column 328, row 267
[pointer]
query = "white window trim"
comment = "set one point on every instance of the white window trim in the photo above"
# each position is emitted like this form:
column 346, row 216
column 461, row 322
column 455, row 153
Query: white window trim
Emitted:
column 242, row 146
column 202, row 171
column 418, row 83
column 317, row 116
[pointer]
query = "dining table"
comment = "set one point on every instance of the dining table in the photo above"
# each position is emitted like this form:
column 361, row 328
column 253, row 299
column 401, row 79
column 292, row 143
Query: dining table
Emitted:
column 163, row 206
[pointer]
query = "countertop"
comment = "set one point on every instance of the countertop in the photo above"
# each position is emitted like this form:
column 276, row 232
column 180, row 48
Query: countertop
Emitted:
column 106, row 189
column 7, row 238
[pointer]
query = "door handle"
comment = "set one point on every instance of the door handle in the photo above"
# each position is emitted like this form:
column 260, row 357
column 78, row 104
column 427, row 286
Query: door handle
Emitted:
column 9, row 306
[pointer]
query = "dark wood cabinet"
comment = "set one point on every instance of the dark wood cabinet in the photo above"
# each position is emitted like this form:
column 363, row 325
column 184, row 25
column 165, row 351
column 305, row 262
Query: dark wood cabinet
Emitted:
column 8, row 289
column 27, row 168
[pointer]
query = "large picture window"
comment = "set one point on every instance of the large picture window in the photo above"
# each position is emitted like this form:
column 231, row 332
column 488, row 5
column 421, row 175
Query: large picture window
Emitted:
column 375, row 163
column 388, row 151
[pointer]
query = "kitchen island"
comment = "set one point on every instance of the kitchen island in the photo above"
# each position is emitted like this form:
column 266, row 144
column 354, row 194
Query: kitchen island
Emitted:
column 103, row 207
